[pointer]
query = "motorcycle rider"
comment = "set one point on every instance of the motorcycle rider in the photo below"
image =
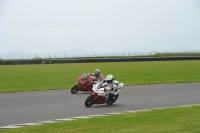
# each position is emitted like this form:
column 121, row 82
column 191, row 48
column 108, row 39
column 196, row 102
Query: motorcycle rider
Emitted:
column 97, row 75
column 113, row 87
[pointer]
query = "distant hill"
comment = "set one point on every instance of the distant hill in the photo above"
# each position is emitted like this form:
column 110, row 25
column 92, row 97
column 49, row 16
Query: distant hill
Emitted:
column 13, row 55
column 73, row 52
column 79, row 52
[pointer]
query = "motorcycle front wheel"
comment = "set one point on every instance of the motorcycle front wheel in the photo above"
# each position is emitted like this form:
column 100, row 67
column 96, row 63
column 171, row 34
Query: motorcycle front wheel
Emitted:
column 112, row 100
column 89, row 101
column 74, row 89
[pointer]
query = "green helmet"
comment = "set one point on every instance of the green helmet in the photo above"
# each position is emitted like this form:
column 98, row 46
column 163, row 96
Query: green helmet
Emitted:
column 109, row 78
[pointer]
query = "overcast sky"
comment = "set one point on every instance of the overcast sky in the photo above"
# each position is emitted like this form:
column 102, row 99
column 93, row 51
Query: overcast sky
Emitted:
column 99, row 25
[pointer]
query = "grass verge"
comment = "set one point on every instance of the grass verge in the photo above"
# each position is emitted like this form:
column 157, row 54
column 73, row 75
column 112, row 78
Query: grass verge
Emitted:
column 16, row 78
column 171, row 120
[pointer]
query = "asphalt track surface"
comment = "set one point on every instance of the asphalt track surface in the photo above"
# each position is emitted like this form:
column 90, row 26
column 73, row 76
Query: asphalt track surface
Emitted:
column 36, row 106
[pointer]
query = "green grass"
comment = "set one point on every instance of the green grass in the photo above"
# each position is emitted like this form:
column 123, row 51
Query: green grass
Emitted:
column 176, row 120
column 15, row 78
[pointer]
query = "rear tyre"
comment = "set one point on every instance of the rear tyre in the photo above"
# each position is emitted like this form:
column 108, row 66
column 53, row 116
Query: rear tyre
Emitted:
column 74, row 89
column 89, row 101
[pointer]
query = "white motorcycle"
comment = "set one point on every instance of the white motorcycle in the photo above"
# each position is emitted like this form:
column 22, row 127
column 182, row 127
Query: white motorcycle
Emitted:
column 100, row 95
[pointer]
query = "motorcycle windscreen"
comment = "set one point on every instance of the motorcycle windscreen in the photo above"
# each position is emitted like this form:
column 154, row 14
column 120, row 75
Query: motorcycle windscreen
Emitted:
column 84, row 76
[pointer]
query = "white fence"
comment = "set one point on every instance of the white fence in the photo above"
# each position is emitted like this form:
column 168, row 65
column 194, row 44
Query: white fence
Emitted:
column 66, row 55
column 57, row 55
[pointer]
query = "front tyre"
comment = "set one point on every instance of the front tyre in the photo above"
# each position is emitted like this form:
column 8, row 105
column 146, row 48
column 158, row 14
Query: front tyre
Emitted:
column 113, row 99
column 89, row 101
column 74, row 89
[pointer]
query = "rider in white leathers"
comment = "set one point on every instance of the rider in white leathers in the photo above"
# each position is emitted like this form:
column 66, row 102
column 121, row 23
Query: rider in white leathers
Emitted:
column 113, row 88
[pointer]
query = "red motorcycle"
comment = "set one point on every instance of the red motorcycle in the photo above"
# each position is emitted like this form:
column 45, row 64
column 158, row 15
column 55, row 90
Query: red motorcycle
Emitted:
column 101, row 96
column 85, row 83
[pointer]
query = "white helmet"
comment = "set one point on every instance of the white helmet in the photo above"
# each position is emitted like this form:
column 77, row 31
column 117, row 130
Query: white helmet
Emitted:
column 109, row 78
column 97, row 72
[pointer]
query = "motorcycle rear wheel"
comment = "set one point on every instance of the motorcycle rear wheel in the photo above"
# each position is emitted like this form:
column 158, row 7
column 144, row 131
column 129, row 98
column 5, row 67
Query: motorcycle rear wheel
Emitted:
column 89, row 101
column 74, row 89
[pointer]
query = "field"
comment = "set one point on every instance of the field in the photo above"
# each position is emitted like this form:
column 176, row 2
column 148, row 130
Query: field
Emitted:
column 16, row 78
